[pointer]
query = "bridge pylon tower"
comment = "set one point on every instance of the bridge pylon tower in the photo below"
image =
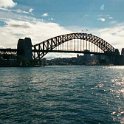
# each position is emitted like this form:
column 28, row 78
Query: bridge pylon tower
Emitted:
column 24, row 52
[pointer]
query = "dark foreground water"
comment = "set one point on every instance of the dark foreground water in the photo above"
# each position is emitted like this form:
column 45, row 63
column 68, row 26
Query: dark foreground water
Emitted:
column 62, row 95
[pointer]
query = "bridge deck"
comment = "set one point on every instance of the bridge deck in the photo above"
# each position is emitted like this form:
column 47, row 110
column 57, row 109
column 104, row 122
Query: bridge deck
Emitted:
column 8, row 50
column 59, row 51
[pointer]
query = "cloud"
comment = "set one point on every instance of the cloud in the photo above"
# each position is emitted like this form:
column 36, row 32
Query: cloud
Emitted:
column 16, row 14
column 113, row 22
column 102, row 7
column 3, row 9
column 20, row 24
column 23, row 11
column 7, row 3
column 31, row 10
column 110, row 17
column 11, row 11
column 38, row 31
column 102, row 19
column 45, row 14
column 114, row 35
column 105, row 16
column 51, row 19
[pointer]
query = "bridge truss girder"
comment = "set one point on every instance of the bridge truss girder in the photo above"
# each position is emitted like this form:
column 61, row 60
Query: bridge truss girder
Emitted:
column 41, row 49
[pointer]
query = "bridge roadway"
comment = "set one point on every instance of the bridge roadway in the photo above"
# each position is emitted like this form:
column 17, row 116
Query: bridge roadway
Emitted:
column 9, row 50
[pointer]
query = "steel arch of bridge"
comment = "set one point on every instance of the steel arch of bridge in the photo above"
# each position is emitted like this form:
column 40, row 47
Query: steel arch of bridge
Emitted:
column 41, row 49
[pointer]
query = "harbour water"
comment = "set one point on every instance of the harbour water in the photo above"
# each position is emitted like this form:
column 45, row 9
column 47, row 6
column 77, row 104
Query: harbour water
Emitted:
column 62, row 95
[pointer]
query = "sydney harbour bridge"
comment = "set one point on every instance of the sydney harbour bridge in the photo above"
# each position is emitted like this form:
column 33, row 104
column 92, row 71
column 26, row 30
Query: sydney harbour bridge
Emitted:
column 28, row 54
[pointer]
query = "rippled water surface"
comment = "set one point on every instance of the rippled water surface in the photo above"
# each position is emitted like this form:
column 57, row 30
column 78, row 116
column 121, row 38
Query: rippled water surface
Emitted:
column 62, row 95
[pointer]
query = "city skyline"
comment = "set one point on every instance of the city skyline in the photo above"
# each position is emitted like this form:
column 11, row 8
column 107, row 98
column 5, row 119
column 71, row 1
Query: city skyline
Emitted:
column 41, row 20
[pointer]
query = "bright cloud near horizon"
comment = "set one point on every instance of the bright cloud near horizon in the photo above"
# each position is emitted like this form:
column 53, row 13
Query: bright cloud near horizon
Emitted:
column 7, row 3
column 45, row 14
column 41, row 20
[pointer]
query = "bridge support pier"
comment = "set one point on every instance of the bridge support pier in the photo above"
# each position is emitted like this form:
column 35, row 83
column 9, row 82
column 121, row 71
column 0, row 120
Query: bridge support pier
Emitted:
column 122, row 57
column 24, row 52
column 114, row 57
column 117, row 57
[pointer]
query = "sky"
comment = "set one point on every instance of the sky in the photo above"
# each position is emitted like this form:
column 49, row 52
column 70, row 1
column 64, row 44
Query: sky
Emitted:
column 43, row 19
